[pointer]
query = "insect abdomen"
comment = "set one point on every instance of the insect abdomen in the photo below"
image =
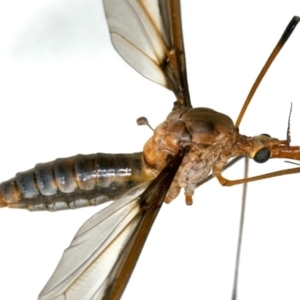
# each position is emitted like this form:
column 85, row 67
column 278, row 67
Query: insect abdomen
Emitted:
column 74, row 182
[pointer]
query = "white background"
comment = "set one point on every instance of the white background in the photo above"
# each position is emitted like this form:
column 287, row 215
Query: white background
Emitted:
column 64, row 91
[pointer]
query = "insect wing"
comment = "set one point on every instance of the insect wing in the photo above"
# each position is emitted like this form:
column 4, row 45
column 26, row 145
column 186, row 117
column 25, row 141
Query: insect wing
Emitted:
column 148, row 35
column 103, row 253
column 96, row 245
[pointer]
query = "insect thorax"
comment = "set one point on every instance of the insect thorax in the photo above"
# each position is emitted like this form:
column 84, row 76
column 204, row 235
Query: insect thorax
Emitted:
column 206, row 131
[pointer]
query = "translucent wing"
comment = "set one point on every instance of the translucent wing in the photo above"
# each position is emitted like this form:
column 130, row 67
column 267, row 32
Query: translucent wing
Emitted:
column 148, row 35
column 102, row 255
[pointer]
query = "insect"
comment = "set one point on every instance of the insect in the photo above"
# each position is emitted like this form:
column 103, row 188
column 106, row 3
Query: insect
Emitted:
column 59, row 154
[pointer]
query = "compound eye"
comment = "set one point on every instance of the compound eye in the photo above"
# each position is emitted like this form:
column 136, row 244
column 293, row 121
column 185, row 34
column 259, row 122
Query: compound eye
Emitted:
column 262, row 155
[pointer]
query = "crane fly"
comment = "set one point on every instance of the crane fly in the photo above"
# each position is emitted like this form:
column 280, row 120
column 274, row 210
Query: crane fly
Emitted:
column 168, row 207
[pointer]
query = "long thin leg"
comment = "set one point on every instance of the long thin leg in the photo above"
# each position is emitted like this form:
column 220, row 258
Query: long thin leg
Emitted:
column 211, row 176
column 285, row 36
column 241, row 229
column 227, row 182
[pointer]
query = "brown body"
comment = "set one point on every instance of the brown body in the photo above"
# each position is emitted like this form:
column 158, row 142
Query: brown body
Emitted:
column 85, row 180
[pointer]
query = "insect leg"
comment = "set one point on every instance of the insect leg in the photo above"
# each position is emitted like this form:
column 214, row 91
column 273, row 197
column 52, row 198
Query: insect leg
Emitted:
column 285, row 36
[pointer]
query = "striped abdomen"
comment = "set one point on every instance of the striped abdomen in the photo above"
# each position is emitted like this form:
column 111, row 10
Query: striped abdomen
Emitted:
column 74, row 182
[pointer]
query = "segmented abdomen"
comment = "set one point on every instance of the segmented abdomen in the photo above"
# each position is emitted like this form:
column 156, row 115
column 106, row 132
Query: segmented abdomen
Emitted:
column 74, row 182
